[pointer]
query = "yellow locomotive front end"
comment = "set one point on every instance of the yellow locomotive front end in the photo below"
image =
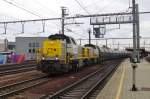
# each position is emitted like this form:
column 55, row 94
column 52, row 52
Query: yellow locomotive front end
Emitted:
column 53, row 56
column 59, row 53
column 54, row 50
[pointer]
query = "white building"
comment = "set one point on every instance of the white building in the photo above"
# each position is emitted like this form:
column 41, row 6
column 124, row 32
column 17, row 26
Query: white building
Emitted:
column 3, row 44
column 28, row 46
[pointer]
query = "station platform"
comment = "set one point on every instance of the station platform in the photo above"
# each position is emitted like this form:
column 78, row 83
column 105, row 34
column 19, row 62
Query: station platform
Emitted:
column 120, row 85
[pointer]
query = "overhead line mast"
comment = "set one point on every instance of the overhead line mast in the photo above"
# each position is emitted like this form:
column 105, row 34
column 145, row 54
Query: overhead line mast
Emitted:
column 135, row 56
column 63, row 19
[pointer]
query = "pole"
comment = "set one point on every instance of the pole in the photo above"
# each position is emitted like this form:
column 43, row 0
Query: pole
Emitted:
column 5, row 28
column 138, row 33
column 6, row 44
column 63, row 19
column 80, row 41
column 134, row 66
column 134, row 56
column 89, row 31
column 118, row 46
column 106, row 43
column 144, row 43
column 22, row 27
column 96, row 42
column 134, row 32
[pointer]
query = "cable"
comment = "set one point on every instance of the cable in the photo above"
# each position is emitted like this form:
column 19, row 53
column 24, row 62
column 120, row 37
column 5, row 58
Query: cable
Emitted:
column 21, row 8
column 29, row 8
column 24, row 9
column 93, row 3
column 82, row 7
column 102, row 9
column 79, row 34
column 43, row 6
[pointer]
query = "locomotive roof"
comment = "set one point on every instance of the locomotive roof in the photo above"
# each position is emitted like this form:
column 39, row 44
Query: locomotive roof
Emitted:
column 90, row 45
column 59, row 36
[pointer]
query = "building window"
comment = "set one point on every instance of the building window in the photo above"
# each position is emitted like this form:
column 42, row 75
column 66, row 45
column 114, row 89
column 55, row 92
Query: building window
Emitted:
column 33, row 50
column 30, row 44
column 33, row 44
column 30, row 51
column 37, row 44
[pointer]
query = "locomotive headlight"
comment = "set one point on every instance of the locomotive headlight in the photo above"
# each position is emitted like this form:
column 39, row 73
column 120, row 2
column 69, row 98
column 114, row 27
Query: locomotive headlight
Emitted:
column 56, row 58
column 43, row 58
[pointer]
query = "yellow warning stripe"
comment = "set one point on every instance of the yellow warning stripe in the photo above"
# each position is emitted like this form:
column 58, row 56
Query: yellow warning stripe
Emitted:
column 120, row 84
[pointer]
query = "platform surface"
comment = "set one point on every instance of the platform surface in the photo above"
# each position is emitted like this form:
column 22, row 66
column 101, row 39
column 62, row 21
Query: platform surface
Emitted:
column 119, row 86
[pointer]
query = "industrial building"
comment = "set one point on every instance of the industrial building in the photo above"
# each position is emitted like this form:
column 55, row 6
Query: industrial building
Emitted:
column 3, row 45
column 28, row 46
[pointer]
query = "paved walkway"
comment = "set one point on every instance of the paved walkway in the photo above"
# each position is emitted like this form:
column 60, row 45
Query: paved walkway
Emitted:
column 119, row 86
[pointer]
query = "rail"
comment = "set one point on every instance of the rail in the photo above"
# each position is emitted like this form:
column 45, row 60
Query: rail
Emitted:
column 84, row 87
column 15, row 88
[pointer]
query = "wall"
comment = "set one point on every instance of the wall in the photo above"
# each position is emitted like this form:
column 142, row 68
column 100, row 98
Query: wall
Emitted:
column 28, row 46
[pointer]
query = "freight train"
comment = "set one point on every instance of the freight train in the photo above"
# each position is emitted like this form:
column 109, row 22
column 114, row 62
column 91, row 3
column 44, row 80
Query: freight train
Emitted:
column 61, row 53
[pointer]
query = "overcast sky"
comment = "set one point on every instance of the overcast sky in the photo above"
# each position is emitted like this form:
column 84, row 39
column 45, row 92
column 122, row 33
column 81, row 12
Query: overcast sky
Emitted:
column 52, row 8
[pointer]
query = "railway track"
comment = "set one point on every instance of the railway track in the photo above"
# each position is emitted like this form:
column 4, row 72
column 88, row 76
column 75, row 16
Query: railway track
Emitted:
column 16, row 68
column 15, row 88
column 8, row 72
column 85, row 87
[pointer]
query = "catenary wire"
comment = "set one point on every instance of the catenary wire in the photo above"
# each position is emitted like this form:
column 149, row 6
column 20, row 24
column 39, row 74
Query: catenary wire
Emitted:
column 21, row 8
column 82, row 7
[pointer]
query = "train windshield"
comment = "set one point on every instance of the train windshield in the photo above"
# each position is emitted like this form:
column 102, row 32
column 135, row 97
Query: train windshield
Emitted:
column 73, row 41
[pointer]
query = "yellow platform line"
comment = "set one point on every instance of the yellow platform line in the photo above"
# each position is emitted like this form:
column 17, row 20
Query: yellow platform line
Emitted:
column 120, row 84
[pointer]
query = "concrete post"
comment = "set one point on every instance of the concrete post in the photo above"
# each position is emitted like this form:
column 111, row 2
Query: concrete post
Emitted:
column 134, row 88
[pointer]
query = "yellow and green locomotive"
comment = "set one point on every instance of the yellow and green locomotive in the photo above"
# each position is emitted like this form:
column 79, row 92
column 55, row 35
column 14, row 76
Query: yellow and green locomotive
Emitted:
column 60, row 53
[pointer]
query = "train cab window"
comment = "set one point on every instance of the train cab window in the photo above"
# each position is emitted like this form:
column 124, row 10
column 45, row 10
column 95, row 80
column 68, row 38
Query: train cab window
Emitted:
column 68, row 41
column 73, row 41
